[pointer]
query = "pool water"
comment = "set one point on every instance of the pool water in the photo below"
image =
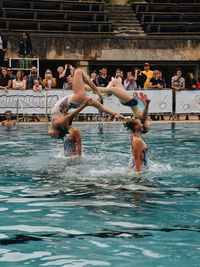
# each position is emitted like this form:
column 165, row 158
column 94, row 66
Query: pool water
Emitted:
column 94, row 211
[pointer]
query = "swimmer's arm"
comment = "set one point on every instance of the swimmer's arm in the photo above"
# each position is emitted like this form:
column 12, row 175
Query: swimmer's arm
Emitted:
column 3, row 123
column 137, row 155
column 64, row 120
column 77, row 136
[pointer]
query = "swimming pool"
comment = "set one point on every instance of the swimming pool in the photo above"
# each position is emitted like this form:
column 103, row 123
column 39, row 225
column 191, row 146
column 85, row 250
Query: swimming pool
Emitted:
column 94, row 211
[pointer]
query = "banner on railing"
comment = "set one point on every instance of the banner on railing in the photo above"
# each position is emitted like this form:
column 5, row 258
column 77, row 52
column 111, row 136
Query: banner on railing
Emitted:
column 30, row 102
column 188, row 101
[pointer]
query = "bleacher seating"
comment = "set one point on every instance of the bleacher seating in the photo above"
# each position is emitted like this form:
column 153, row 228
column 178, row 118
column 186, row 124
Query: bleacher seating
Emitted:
column 169, row 17
column 54, row 16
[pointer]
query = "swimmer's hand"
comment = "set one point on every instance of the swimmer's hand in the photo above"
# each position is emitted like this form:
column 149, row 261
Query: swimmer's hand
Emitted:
column 148, row 101
column 119, row 116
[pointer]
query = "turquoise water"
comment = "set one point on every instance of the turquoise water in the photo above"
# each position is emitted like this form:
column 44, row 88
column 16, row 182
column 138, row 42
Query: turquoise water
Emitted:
column 95, row 211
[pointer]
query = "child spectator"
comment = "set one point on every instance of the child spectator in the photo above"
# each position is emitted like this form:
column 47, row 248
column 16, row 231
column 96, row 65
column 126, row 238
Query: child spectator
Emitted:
column 37, row 86
column 33, row 76
column 18, row 83
column 49, row 81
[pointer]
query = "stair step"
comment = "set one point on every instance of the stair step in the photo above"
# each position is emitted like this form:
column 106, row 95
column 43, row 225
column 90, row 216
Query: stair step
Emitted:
column 126, row 25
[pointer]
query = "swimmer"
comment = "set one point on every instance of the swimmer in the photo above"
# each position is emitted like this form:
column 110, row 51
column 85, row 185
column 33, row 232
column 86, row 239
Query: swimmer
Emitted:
column 116, row 88
column 139, row 147
column 79, row 96
column 60, row 125
column 8, row 123
column 72, row 142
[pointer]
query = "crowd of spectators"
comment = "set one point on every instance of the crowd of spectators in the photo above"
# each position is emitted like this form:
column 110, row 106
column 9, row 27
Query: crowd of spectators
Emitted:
column 134, row 79
column 62, row 79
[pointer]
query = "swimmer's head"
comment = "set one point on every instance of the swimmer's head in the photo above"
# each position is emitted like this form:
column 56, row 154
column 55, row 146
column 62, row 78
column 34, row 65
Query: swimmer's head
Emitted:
column 8, row 114
column 145, row 128
column 134, row 125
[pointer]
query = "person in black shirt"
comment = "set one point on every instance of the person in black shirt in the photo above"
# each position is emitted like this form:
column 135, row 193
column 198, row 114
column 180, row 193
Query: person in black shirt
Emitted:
column 5, row 80
column 61, row 76
column 156, row 81
column 190, row 81
column 25, row 46
column 140, row 77
column 3, row 47
column 104, row 78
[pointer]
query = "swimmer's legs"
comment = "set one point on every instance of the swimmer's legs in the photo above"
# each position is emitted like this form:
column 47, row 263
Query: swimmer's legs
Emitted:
column 144, row 115
column 80, row 77
column 103, row 108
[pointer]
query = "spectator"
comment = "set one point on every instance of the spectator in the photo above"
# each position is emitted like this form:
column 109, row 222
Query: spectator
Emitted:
column 94, row 78
column 148, row 73
column 25, row 51
column 68, row 84
column 3, row 47
column 156, row 81
column 5, row 80
column 18, row 83
column 8, row 123
column 130, row 81
column 140, row 77
column 61, row 76
column 24, row 77
column 178, row 82
column 104, row 78
column 198, row 83
column 10, row 73
column 33, row 76
column 37, row 86
column 119, row 75
column 190, row 82
column 49, row 81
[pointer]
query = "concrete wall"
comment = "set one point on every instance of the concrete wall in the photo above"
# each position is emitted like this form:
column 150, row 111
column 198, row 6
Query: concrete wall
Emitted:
column 104, row 48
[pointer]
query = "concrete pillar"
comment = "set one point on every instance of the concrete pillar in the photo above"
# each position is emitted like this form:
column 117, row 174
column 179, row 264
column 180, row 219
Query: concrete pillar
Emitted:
column 83, row 64
column 117, row 2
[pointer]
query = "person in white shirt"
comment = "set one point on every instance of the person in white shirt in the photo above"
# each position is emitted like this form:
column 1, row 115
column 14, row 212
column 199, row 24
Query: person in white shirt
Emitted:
column 19, row 83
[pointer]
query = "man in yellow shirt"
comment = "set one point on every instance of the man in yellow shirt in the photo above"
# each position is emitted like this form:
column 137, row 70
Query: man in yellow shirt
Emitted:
column 148, row 73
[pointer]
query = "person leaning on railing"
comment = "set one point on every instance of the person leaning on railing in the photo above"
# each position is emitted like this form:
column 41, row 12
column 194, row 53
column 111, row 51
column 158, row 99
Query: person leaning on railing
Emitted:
column 156, row 82
column 177, row 84
column 5, row 80
column 19, row 83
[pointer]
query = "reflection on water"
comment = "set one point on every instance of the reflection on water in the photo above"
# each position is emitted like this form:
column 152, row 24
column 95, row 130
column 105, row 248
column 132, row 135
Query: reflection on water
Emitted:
column 94, row 211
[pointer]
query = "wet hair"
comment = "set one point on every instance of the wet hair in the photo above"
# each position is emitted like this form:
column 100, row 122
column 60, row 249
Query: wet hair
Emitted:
column 145, row 129
column 130, row 124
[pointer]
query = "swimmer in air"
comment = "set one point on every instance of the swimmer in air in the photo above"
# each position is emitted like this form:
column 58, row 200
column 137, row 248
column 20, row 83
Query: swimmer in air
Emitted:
column 116, row 88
